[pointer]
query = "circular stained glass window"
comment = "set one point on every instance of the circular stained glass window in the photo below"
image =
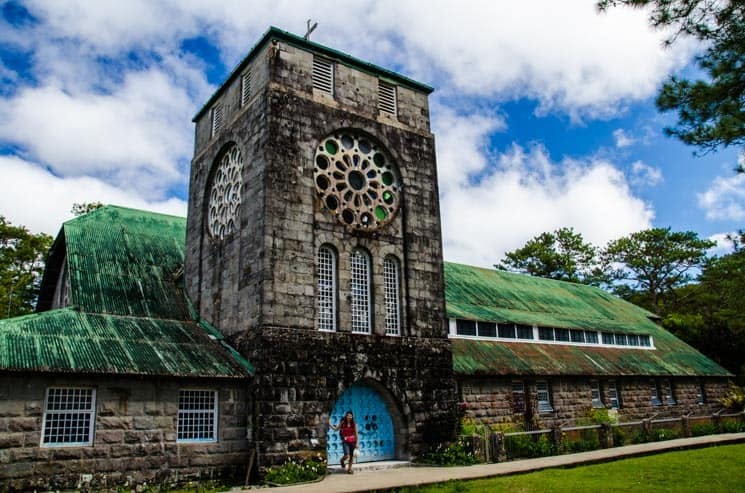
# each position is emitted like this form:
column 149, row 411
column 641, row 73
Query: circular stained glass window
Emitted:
column 357, row 181
column 225, row 194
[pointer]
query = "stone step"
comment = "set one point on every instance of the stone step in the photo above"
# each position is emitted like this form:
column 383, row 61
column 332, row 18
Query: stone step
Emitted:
column 371, row 466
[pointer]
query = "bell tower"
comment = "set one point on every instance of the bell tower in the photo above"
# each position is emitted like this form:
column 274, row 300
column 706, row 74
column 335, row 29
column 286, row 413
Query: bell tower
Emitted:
column 314, row 244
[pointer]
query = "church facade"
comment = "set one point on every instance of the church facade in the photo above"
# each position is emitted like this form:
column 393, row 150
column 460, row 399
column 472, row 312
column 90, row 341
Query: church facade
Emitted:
column 306, row 280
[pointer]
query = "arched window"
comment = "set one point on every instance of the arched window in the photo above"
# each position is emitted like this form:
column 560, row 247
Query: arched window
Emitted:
column 326, row 294
column 360, row 289
column 391, row 282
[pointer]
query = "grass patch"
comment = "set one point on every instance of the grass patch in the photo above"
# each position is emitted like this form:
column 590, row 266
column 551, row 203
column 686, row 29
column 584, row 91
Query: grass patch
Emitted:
column 713, row 469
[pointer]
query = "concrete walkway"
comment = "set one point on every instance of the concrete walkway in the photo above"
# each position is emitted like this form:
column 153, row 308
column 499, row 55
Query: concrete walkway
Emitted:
column 382, row 480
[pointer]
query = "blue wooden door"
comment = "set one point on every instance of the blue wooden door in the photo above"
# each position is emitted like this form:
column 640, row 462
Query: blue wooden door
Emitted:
column 374, row 425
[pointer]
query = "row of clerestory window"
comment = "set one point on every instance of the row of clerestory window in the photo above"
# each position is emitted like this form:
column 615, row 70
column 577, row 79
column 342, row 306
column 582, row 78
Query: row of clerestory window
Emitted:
column 359, row 289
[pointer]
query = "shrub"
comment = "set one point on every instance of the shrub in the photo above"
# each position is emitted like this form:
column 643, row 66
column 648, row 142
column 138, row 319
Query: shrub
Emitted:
column 619, row 437
column 640, row 436
column 582, row 445
column 528, row 446
column 732, row 427
column 470, row 426
column 455, row 454
column 705, row 429
column 734, row 399
column 297, row 471
column 661, row 434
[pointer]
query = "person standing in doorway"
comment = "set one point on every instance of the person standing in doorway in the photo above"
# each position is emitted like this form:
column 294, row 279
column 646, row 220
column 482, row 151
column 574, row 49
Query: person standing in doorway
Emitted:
column 347, row 428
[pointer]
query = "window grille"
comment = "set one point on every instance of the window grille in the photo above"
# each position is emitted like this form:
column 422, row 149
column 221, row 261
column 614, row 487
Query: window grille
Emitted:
column 465, row 327
column 608, row 338
column 591, row 337
column 562, row 334
column 217, row 117
column 544, row 397
column 487, row 329
column 323, row 75
column 197, row 416
column 506, row 331
column 387, row 98
column 360, row 271
column 700, row 393
column 613, row 395
column 577, row 335
column 597, row 397
column 245, row 88
column 68, row 417
column 669, row 393
column 621, row 340
column 391, row 280
column 518, row 397
column 545, row 333
column 655, row 388
column 633, row 340
column 326, row 295
column 644, row 341
column 524, row 331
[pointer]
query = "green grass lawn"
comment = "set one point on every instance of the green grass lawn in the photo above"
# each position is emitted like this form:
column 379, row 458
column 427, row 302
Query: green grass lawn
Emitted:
column 709, row 470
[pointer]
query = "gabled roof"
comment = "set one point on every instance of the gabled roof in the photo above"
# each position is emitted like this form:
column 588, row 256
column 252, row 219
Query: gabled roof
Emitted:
column 490, row 295
column 300, row 42
column 128, row 313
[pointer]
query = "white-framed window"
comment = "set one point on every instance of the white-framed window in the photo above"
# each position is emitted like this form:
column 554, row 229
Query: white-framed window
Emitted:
column 597, row 396
column 197, row 416
column 392, row 283
column 217, row 118
column 654, row 386
column 506, row 331
column 69, row 417
column 544, row 397
column 359, row 262
column 487, row 329
column 326, row 294
column 245, row 87
column 323, row 75
column 465, row 327
column 518, row 396
column 387, row 98
column 613, row 395
column 669, row 392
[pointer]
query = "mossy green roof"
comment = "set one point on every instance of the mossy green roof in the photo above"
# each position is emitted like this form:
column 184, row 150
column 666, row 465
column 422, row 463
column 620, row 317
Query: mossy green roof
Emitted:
column 128, row 313
column 490, row 295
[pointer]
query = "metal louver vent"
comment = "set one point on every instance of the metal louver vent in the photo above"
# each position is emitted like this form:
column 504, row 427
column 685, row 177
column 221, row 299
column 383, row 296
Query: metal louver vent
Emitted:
column 387, row 98
column 216, row 119
column 323, row 75
column 245, row 87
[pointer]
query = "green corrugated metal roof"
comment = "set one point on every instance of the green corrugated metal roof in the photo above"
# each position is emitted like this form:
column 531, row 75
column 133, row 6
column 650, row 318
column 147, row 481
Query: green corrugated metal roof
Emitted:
column 474, row 293
column 126, row 262
column 67, row 340
column 128, row 313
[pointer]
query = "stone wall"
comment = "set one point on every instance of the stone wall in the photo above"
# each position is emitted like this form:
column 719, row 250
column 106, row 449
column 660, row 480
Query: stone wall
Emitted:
column 134, row 437
column 490, row 400
column 301, row 373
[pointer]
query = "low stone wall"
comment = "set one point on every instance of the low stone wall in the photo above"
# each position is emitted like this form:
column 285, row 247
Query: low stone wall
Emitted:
column 134, row 437
column 490, row 400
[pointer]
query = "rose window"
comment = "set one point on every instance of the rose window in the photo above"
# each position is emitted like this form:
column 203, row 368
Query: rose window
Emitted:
column 225, row 196
column 357, row 181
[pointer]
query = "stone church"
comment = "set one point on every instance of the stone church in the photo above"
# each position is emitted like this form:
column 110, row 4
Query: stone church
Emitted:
column 306, row 280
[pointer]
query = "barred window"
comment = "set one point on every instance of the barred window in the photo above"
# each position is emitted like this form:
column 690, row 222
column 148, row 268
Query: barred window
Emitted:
column 518, row 397
column 323, row 75
column 216, row 119
column 597, row 396
column 326, row 295
column 669, row 392
column 197, row 416
column 655, row 388
column 544, row 397
column 69, row 415
column 245, row 87
column 391, row 280
column 360, row 277
column 613, row 395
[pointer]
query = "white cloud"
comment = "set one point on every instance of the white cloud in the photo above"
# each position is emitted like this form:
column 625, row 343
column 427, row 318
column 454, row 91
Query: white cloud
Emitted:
column 137, row 134
column 521, row 193
column 41, row 201
column 644, row 175
column 724, row 245
column 725, row 198
column 622, row 138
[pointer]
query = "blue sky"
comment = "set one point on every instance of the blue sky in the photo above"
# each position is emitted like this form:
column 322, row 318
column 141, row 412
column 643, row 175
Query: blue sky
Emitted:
column 543, row 111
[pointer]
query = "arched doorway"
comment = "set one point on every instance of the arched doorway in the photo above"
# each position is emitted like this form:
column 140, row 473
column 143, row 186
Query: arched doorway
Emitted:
column 377, row 436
